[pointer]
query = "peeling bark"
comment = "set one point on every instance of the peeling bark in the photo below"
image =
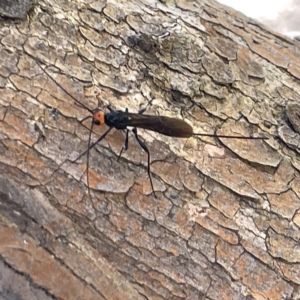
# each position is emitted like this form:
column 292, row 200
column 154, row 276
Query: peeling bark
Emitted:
column 226, row 221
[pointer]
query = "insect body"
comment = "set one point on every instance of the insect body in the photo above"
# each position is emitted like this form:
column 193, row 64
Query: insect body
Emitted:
column 123, row 120
column 161, row 124
column 164, row 125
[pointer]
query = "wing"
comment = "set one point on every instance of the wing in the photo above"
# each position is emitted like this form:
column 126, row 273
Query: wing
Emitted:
column 161, row 124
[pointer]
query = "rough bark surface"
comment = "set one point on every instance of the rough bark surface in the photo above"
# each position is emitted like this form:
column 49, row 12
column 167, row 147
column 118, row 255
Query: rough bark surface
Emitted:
column 225, row 224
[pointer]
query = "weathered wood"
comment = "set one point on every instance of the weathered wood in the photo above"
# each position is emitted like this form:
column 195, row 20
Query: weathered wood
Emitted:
column 226, row 221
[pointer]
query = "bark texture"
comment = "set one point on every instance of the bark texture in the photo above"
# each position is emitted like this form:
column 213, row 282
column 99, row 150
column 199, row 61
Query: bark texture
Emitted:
column 225, row 224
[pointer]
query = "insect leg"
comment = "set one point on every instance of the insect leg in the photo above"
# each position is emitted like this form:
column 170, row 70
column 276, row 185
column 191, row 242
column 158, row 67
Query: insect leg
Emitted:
column 94, row 144
column 148, row 152
column 142, row 110
column 110, row 108
column 125, row 146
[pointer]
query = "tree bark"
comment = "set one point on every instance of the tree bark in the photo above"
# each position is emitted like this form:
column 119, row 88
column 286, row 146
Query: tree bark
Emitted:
column 225, row 223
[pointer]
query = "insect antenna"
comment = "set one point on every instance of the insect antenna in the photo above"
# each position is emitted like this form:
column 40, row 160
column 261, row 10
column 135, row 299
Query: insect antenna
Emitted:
column 123, row 120
column 77, row 102
column 87, row 161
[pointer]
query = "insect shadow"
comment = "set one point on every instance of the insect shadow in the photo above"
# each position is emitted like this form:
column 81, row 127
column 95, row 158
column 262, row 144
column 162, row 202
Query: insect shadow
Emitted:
column 124, row 120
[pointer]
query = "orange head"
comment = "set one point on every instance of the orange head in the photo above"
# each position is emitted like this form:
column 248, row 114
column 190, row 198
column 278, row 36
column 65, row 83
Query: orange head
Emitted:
column 99, row 118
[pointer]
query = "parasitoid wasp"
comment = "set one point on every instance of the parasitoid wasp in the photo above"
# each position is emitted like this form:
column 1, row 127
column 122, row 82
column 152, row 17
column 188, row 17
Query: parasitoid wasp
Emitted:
column 123, row 120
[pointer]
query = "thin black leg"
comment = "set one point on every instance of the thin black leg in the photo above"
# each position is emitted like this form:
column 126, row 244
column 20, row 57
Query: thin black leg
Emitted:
column 148, row 152
column 88, row 155
column 84, row 119
column 110, row 108
column 94, row 144
column 142, row 110
column 125, row 146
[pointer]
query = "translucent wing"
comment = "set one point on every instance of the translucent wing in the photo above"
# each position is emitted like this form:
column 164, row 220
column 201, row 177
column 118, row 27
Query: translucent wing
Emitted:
column 161, row 124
